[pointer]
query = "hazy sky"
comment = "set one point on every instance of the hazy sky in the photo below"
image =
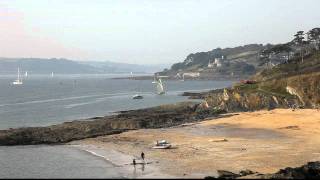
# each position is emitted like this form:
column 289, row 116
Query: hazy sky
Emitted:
column 150, row 31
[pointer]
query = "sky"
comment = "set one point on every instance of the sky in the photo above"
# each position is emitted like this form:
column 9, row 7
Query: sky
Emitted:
column 146, row 31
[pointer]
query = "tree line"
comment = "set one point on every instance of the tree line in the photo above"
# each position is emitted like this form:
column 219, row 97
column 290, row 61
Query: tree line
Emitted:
column 303, row 43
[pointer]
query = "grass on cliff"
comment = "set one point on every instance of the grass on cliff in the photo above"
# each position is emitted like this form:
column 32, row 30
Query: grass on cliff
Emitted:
column 269, row 88
column 310, row 64
column 297, row 74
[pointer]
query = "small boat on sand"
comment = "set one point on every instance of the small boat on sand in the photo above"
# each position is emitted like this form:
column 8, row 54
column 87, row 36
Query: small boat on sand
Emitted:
column 163, row 144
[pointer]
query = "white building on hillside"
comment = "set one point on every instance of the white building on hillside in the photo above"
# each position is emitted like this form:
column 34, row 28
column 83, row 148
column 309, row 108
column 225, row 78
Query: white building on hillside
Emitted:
column 218, row 62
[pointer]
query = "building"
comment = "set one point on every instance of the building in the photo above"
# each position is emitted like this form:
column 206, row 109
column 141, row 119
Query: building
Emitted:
column 217, row 62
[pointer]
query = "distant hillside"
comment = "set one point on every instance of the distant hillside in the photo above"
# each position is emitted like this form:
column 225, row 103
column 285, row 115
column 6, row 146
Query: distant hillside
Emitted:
column 238, row 61
column 65, row 66
column 107, row 66
column 44, row 66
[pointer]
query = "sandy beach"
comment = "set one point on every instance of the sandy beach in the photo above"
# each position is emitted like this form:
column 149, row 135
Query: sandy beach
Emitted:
column 262, row 141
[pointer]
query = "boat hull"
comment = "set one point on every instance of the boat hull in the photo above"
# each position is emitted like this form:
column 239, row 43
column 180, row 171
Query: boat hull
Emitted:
column 162, row 147
column 17, row 83
column 137, row 97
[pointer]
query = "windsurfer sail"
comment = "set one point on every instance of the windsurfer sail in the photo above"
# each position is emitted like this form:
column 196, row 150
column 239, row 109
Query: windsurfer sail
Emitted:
column 159, row 85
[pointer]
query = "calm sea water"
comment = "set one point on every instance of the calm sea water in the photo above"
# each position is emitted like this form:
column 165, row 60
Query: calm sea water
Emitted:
column 53, row 162
column 43, row 100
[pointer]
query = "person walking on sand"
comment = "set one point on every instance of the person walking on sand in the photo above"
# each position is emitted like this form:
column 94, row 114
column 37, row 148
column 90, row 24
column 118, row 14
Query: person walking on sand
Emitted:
column 142, row 156
column 134, row 162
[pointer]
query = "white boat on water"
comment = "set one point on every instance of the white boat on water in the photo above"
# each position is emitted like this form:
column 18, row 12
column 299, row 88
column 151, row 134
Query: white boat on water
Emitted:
column 51, row 74
column 137, row 96
column 26, row 74
column 18, row 81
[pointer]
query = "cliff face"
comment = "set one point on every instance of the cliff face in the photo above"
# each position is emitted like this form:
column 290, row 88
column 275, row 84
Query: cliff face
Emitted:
column 233, row 100
column 305, row 87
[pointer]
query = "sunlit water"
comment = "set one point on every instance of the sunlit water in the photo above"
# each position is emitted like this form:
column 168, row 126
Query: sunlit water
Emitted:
column 44, row 100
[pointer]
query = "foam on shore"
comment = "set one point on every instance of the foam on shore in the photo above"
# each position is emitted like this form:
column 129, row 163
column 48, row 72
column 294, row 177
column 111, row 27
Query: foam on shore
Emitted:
column 123, row 162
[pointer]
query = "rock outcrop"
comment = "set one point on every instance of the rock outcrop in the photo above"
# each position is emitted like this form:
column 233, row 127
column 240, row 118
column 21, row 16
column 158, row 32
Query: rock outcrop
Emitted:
column 156, row 117
column 310, row 170
column 245, row 99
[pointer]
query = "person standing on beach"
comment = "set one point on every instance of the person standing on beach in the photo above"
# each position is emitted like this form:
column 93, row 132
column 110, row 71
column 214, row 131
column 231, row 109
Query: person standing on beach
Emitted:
column 142, row 156
column 134, row 162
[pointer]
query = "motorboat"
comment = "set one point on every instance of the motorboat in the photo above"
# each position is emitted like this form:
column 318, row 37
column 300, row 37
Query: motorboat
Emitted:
column 137, row 96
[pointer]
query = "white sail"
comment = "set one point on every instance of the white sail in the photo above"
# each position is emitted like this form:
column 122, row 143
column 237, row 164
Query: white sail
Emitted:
column 160, row 88
column 159, row 85
column 18, row 81
column 26, row 74
column 51, row 74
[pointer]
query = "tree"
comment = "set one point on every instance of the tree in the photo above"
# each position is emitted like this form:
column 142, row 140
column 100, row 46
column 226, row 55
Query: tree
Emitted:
column 264, row 56
column 282, row 48
column 300, row 42
column 299, row 37
column 274, row 50
column 314, row 37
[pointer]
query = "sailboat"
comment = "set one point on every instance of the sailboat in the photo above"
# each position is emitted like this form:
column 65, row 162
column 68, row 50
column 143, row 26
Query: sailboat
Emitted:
column 18, row 81
column 51, row 74
column 182, row 77
column 26, row 74
column 158, row 82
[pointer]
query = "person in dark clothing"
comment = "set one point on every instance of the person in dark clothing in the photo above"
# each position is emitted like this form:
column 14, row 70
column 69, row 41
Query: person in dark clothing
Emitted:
column 142, row 155
column 134, row 162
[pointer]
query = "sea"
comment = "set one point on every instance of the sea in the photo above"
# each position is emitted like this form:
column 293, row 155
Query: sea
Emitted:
column 43, row 100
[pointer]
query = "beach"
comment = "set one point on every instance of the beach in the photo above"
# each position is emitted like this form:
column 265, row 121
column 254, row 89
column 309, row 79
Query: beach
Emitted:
column 262, row 141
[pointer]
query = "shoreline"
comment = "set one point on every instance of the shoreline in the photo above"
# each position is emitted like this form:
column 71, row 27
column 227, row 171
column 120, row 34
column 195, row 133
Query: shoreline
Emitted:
column 154, row 117
column 248, row 140
column 122, row 163
column 214, row 78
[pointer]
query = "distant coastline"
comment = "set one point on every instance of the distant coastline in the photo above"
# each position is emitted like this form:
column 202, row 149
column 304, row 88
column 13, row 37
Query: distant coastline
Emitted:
column 208, row 78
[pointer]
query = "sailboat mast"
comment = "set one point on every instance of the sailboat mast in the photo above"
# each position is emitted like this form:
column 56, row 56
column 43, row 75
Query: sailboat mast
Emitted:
column 18, row 74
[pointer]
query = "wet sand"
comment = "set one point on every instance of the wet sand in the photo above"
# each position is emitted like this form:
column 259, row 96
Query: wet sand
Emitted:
column 122, row 163
column 262, row 141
